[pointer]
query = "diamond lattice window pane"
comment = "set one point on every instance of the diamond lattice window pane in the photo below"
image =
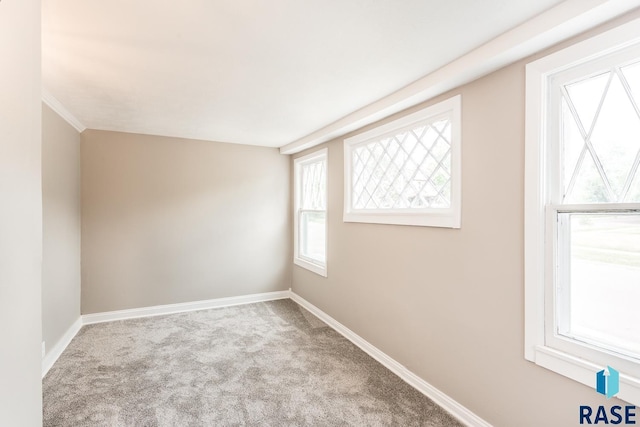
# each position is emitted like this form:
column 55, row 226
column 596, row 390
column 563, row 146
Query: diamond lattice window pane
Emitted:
column 631, row 74
column 600, row 138
column 586, row 96
column 633, row 195
column 616, row 136
column 589, row 186
column 573, row 144
column 410, row 170
column 313, row 186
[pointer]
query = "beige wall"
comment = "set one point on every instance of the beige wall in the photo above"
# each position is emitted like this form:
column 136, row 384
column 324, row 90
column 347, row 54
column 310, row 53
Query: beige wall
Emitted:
column 60, row 226
column 20, row 214
column 448, row 304
column 167, row 220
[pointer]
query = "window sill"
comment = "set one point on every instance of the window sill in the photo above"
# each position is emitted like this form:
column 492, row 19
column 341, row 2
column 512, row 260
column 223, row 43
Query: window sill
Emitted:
column 315, row 268
column 583, row 371
column 444, row 219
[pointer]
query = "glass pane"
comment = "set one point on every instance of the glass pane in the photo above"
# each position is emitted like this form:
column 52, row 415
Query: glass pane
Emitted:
column 586, row 96
column 312, row 244
column 572, row 144
column 616, row 136
column 632, row 75
column 409, row 170
column 633, row 195
column 589, row 186
column 604, row 280
column 313, row 185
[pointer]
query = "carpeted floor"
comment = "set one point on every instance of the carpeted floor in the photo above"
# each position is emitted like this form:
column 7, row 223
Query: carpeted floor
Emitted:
column 263, row 364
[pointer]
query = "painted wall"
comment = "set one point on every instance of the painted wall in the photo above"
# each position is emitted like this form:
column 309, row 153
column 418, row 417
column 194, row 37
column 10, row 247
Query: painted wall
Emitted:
column 168, row 220
column 60, row 226
column 449, row 304
column 20, row 214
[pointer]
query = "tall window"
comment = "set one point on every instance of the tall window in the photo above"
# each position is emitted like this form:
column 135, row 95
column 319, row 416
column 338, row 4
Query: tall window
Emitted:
column 310, row 235
column 583, row 209
column 406, row 171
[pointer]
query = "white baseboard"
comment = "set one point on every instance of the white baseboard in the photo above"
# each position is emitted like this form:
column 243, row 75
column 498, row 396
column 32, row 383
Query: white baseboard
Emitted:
column 55, row 352
column 158, row 310
column 463, row 414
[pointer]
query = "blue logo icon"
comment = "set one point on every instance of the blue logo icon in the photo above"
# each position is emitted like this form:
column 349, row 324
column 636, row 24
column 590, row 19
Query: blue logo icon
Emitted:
column 608, row 382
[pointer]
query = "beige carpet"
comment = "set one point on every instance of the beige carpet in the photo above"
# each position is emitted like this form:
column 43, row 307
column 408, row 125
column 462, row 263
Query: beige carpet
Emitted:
column 263, row 364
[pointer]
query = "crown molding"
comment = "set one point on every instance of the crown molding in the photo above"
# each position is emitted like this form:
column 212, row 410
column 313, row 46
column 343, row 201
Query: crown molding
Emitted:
column 557, row 24
column 57, row 106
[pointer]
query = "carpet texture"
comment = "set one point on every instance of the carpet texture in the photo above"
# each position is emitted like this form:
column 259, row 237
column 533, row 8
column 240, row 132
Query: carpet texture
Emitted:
column 263, row 364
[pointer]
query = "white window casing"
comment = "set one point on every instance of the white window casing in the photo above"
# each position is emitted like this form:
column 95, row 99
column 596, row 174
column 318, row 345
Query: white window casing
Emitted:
column 551, row 179
column 407, row 171
column 310, row 212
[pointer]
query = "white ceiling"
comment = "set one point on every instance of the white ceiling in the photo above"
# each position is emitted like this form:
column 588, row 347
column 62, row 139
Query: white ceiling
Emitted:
column 253, row 71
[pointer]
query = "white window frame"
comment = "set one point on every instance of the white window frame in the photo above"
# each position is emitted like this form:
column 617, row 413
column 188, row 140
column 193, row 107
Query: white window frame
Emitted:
column 433, row 217
column 578, row 361
column 298, row 259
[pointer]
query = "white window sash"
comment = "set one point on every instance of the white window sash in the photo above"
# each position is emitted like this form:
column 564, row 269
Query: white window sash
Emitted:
column 569, row 357
column 310, row 260
column 557, row 269
column 299, row 259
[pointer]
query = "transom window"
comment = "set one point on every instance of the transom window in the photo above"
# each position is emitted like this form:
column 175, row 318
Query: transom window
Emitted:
column 407, row 171
column 310, row 228
column 582, row 213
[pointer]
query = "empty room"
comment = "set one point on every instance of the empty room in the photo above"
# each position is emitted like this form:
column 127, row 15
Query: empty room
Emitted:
column 306, row 213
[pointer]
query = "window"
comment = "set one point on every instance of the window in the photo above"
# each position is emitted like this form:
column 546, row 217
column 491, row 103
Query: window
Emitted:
column 582, row 210
column 406, row 171
column 310, row 215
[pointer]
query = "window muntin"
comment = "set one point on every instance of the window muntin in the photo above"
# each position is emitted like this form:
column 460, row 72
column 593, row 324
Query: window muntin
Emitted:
column 310, row 216
column 599, row 119
column 407, row 171
column 582, row 216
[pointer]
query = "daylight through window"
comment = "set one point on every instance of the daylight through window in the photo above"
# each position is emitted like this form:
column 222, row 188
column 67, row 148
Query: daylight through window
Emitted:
column 582, row 209
column 407, row 171
column 310, row 240
column 600, row 142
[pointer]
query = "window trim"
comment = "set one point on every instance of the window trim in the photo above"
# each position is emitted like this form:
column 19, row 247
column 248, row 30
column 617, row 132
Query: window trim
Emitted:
column 540, row 238
column 433, row 217
column 298, row 259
